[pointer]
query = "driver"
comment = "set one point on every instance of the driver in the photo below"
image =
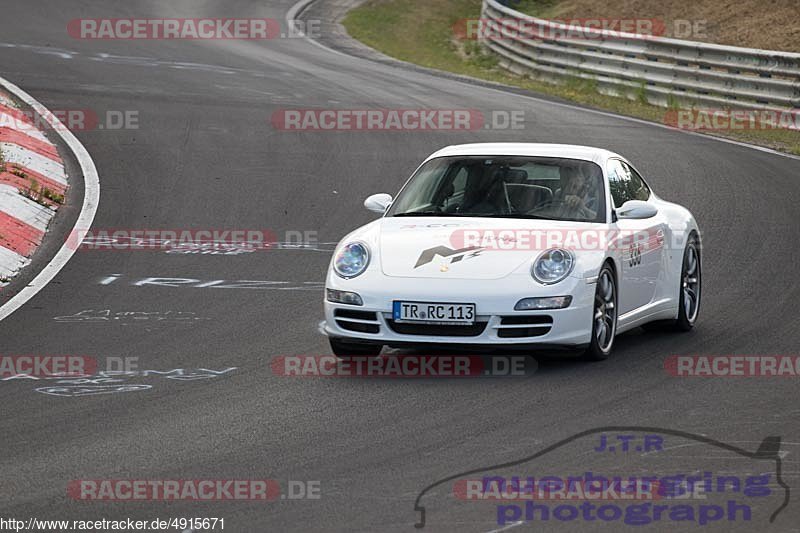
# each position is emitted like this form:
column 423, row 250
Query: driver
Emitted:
column 573, row 199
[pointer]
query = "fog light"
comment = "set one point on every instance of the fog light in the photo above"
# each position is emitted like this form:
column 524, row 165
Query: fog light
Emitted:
column 344, row 297
column 552, row 302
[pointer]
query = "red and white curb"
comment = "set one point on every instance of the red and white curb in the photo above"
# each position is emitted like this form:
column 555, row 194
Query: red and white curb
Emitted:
column 31, row 163
column 27, row 157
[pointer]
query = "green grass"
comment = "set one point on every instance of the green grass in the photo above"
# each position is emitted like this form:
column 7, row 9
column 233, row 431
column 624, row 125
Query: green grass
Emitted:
column 421, row 32
column 536, row 8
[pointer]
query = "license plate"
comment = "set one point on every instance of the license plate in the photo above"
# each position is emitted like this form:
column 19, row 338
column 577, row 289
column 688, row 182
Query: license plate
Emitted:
column 433, row 313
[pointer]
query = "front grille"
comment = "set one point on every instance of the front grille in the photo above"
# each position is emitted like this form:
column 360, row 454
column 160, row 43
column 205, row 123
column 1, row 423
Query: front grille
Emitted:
column 438, row 330
column 360, row 321
column 519, row 326
column 524, row 320
column 358, row 315
column 358, row 326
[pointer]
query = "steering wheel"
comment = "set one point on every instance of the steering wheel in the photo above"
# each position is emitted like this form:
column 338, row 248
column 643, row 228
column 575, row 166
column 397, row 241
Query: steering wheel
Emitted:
column 548, row 205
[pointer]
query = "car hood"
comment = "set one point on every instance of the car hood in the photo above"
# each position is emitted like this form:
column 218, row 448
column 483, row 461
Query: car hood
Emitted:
column 435, row 247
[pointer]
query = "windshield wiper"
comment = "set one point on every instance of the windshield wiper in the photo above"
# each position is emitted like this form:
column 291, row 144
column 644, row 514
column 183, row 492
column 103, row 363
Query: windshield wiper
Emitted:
column 473, row 215
column 519, row 215
column 428, row 214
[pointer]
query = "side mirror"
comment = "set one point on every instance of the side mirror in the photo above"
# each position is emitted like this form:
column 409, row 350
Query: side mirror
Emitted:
column 378, row 202
column 637, row 209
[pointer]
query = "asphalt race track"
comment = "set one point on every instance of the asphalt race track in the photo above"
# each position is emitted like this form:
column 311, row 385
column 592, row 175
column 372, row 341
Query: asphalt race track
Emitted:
column 206, row 156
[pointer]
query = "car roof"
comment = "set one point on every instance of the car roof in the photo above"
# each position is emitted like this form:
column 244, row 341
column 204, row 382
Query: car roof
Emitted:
column 568, row 151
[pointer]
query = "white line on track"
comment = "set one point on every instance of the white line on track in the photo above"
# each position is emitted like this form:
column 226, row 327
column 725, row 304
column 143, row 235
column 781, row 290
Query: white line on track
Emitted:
column 291, row 16
column 91, row 198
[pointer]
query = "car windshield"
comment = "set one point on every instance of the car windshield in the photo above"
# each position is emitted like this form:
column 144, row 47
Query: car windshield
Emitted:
column 505, row 186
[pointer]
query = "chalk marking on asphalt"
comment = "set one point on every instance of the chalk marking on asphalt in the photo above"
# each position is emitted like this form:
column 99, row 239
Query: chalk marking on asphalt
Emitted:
column 465, row 80
column 511, row 525
column 105, row 316
column 91, row 198
column 220, row 283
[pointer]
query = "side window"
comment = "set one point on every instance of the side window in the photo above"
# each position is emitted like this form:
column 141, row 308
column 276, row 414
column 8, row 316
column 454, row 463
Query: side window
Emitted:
column 617, row 182
column 625, row 183
column 638, row 187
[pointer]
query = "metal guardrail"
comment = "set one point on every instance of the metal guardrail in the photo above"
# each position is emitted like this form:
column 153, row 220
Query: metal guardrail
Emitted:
column 666, row 71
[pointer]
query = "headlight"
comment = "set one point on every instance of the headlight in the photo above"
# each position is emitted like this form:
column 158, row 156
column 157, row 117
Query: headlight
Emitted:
column 553, row 266
column 351, row 260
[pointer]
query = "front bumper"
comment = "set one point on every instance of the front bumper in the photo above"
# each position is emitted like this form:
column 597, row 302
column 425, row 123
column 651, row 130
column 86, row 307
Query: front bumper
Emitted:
column 494, row 299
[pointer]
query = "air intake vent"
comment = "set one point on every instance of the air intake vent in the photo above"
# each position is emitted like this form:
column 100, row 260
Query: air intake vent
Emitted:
column 360, row 321
column 438, row 330
column 520, row 326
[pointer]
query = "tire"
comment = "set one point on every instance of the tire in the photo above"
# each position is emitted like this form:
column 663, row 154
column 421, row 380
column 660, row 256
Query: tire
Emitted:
column 604, row 316
column 690, row 288
column 344, row 349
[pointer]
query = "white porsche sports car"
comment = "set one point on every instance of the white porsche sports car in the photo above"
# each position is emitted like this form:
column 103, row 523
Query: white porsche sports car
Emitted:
column 514, row 245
